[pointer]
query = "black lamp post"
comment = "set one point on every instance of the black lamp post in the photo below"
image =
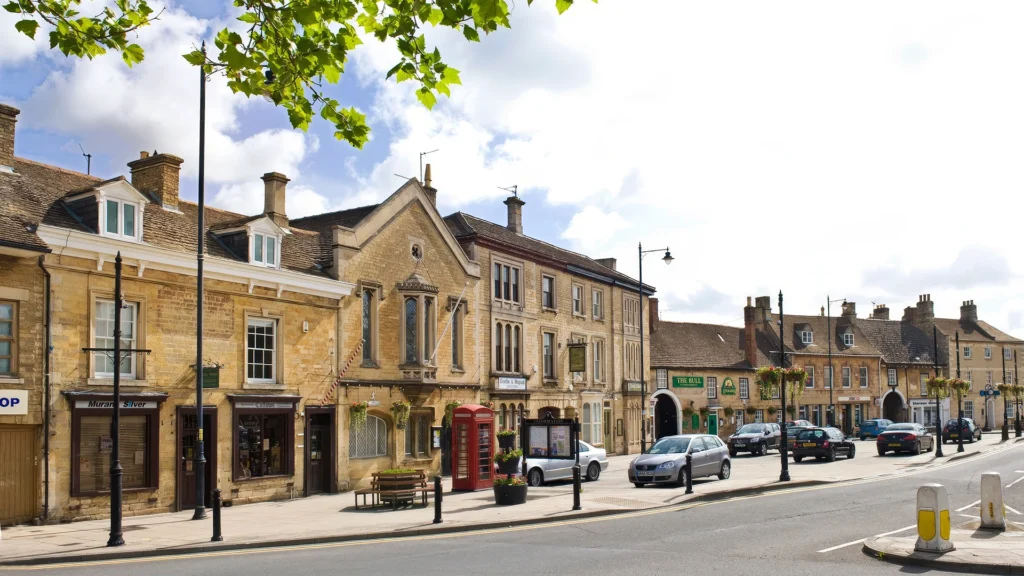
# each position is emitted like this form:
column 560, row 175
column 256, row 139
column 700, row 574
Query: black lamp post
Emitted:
column 667, row 259
column 1006, row 416
column 1017, row 398
column 116, row 471
column 784, row 446
column 959, row 409
column 938, row 406
column 831, row 375
column 200, row 457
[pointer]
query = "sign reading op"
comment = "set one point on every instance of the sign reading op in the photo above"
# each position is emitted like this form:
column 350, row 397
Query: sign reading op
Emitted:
column 553, row 438
column 687, row 381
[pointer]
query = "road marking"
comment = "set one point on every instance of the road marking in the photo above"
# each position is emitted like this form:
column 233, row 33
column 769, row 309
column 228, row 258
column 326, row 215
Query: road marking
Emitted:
column 971, row 505
column 863, row 539
column 1010, row 485
column 968, row 516
column 1011, row 510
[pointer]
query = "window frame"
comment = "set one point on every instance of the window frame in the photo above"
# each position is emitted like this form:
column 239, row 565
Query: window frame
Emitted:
column 13, row 339
column 136, row 363
column 457, row 341
column 967, row 352
column 848, row 338
column 371, row 347
column 266, row 243
column 579, row 305
column 968, row 409
column 597, row 349
column 830, row 372
column 379, row 421
column 846, row 373
column 661, row 376
column 597, row 303
column 758, row 416
column 807, row 336
column 549, row 355
column 507, row 282
column 288, row 437
column 864, row 377
column 988, row 352
column 892, row 377
column 809, row 384
column 744, row 388
column 275, row 323
column 421, row 447
column 1007, row 353
column 711, row 384
column 548, row 296
column 104, row 218
column 506, row 355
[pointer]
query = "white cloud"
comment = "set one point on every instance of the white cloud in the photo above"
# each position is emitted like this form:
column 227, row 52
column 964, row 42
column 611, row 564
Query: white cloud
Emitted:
column 592, row 228
column 15, row 47
column 248, row 198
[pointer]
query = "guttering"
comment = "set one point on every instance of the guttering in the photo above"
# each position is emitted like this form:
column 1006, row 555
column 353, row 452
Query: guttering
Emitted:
column 648, row 290
column 46, row 390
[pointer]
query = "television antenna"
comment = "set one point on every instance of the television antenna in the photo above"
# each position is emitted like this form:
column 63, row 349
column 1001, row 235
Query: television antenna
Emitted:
column 88, row 159
column 514, row 189
column 422, row 154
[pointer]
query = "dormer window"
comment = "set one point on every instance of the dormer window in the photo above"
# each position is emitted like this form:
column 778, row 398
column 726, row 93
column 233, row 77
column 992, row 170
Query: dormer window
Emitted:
column 807, row 337
column 120, row 219
column 848, row 338
column 264, row 250
column 114, row 209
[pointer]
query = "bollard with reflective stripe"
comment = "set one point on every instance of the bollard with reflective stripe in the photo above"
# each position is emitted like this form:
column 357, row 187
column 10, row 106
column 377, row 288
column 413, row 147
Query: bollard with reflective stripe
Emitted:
column 993, row 515
column 933, row 519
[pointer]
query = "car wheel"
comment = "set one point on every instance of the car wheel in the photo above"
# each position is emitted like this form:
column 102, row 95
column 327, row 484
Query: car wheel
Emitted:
column 726, row 471
column 535, row 477
column 639, row 484
column 593, row 471
column 863, row 438
column 881, row 452
column 681, row 479
column 831, row 457
column 763, row 449
column 852, row 453
column 798, row 458
column 971, row 441
column 917, row 448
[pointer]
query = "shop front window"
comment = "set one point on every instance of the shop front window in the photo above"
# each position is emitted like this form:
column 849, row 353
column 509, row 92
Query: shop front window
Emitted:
column 95, row 450
column 263, row 445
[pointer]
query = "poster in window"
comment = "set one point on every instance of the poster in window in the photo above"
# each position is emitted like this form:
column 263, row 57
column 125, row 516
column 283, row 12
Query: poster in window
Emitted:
column 538, row 441
column 559, row 441
column 435, row 434
column 140, row 457
column 106, row 444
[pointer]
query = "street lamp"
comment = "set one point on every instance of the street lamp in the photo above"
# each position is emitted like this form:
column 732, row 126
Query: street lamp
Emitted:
column 200, row 457
column 784, row 446
column 938, row 406
column 831, row 374
column 1006, row 416
column 959, row 409
column 667, row 259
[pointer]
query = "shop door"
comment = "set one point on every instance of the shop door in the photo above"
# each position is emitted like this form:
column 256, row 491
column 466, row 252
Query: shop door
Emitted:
column 847, row 419
column 320, row 453
column 17, row 474
column 608, row 430
column 713, row 424
column 188, row 439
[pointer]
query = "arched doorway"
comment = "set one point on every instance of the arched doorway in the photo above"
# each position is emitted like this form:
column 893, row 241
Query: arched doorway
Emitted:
column 990, row 413
column 545, row 411
column 892, row 406
column 666, row 415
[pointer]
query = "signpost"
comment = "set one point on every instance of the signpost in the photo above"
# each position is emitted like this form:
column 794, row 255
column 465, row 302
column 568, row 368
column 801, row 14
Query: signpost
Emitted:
column 553, row 439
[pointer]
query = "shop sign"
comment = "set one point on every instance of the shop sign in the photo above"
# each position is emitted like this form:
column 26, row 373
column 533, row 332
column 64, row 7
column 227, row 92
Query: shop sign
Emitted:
column 13, row 402
column 109, row 404
column 211, row 377
column 510, row 383
column 632, row 386
column 728, row 387
column 922, row 402
column 687, row 381
column 855, row 398
column 263, row 405
column 577, row 358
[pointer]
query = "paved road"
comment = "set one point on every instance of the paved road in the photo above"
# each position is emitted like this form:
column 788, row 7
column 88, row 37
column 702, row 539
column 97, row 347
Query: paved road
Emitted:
column 781, row 533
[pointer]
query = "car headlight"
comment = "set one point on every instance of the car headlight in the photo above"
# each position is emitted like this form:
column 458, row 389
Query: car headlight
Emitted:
column 666, row 465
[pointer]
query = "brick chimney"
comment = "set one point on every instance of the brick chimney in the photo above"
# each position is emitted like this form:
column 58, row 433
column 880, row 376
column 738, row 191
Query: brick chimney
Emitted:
column 750, row 333
column 8, row 118
column 910, row 314
column 652, row 314
column 881, row 312
column 157, row 175
column 925, row 308
column 274, row 184
column 608, row 262
column 428, row 188
column 968, row 311
column 850, row 312
column 515, row 214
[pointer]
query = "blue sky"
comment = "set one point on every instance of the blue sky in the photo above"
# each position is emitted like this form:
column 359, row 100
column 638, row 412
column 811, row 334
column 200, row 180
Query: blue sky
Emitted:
column 868, row 151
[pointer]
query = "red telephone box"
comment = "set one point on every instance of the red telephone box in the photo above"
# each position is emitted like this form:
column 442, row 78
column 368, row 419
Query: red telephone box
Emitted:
column 472, row 447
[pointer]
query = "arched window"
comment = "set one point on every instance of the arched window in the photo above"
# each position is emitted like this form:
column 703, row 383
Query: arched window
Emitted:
column 522, row 414
column 369, row 440
column 595, row 423
column 515, row 351
column 411, row 352
column 428, row 342
column 513, row 422
column 368, row 325
column 503, row 417
column 508, row 347
column 497, row 347
column 586, row 422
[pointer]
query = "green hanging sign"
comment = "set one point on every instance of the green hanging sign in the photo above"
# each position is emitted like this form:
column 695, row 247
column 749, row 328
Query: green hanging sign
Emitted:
column 728, row 387
column 695, row 421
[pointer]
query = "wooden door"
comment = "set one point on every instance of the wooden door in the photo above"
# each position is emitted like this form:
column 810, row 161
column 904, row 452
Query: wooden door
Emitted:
column 188, row 437
column 18, row 474
column 320, row 454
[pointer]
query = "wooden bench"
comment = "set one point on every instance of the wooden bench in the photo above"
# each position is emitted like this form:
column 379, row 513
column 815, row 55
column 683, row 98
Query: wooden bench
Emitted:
column 395, row 488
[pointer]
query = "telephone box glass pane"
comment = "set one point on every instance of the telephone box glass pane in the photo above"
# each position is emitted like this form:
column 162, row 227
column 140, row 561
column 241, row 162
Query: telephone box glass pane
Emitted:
column 484, row 445
column 462, row 451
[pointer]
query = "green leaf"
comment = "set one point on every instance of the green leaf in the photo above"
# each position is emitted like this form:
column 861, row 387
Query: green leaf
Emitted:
column 332, row 74
column 12, row 7
column 249, row 18
column 563, row 5
column 436, row 15
column 27, row 27
column 426, row 97
column 451, row 76
column 195, row 58
column 470, row 33
column 132, row 54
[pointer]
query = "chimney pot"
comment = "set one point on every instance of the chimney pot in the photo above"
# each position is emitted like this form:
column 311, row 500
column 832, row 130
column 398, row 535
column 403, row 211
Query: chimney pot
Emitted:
column 969, row 312
column 515, row 213
column 274, row 185
column 157, row 175
column 925, row 309
column 8, row 118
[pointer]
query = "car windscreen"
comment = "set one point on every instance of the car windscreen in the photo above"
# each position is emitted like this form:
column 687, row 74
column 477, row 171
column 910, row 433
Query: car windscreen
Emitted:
column 901, row 427
column 751, row 429
column 669, row 446
column 811, row 435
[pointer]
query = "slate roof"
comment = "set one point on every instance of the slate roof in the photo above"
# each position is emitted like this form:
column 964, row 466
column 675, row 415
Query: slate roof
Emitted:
column 29, row 195
column 321, row 225
column 819, row 326
column 902, row 342
column 466, row 227
column 692, row 345
column 979, row 331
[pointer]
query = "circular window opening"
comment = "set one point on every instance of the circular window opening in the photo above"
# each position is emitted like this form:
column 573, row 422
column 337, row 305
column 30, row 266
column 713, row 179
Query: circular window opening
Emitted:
column 417, row 252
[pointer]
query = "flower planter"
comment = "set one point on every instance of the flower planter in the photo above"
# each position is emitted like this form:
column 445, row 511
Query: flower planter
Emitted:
column 511, row 466
column 509, row 495
column 507, row 442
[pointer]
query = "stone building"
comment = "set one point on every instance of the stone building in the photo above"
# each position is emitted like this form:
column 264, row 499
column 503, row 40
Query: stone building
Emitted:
column 537, row 303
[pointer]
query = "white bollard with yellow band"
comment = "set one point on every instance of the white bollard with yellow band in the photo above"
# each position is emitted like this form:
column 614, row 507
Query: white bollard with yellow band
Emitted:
column 993, row 514
column 933, row 519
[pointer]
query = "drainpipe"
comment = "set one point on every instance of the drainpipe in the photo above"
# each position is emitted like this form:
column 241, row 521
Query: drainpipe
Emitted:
column 46, row 390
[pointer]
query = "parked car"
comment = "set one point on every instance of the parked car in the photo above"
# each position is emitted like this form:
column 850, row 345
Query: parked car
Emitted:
column 872, row 428
column 952, row 430
column 823, row 444
column 665, row 461
column 593, row 461
column 755, row 438
column 792, row 432
column 906, row 437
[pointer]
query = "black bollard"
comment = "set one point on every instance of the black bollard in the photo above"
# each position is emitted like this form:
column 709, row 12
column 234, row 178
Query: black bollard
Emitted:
column 437, row 499
column 217, row 536
column 576, row 488
column 689, row 474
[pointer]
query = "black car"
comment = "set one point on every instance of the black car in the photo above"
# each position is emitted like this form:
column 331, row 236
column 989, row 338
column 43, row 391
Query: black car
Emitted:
column 905, row 437
column 755, row 438
column 823, row 444
column 952, row 430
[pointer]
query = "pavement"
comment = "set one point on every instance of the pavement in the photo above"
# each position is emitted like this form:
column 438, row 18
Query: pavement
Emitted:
column 332, row 518
column 978, row 551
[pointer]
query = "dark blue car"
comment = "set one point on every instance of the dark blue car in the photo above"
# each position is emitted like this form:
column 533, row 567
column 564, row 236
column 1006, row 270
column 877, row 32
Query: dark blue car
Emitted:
column 872, row 428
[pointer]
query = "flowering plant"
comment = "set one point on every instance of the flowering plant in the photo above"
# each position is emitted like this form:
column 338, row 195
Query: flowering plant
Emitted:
column 510, row 481
column 401, row 412
column 358, row 413
column 938, row 387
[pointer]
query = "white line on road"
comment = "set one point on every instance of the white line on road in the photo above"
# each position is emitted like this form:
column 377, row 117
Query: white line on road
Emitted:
column 1011, row 509
column 863, row 539
column 968, row 506
column 968, row 516
column 1010, row 485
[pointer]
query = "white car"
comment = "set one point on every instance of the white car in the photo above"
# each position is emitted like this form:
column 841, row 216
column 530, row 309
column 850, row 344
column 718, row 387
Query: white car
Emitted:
column 592, row 462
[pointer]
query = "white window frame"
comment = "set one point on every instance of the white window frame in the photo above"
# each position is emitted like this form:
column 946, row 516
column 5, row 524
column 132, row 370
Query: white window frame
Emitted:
column 739, row 418
column 923, row 383
column 759, row 416
column 807, row 337
column 597, row 303
column 1007, row 353
column 598, row 360
column 577, row 300
column 830, row 372
column 988, row 352
column 265, row 241
column 969, row 409
column 662, row 376
column 119, row 233
column 711, row 383
column 810, row 377
column 865, row 378
column 255, row 321
column 744, row 389
column 126, row 343
column 847, row 376
column 893, row 377
column 379, row 426
column 848, row 338
column 967, row 352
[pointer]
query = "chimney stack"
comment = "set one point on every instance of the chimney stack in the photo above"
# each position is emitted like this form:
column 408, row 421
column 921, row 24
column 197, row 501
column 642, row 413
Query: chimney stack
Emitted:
column 8, row 118
column 881, row 312
column 750, row 334
column 428, row 188
column 968, row 311
column 608, row 262
column 515, row 214
column 652, row 314
column 157, row 175
column 925, row 308
column 763, row 310
column 910, row 314
column 850, row 311
column 274, row 185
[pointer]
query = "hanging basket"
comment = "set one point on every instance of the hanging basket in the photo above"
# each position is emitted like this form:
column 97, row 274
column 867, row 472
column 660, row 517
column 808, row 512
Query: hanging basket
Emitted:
column 795, row 375
column 449, row 409
column 507, row 439
column 728, row 412
column 772, row 410
column 400, row 410
column 357, row 412
column 751, row 410
column 959, row 387
column 937, row 387
column 687, row 412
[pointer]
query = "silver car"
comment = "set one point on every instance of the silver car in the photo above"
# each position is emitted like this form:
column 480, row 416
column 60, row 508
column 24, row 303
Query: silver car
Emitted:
column 593, row 461
column 665, row 461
